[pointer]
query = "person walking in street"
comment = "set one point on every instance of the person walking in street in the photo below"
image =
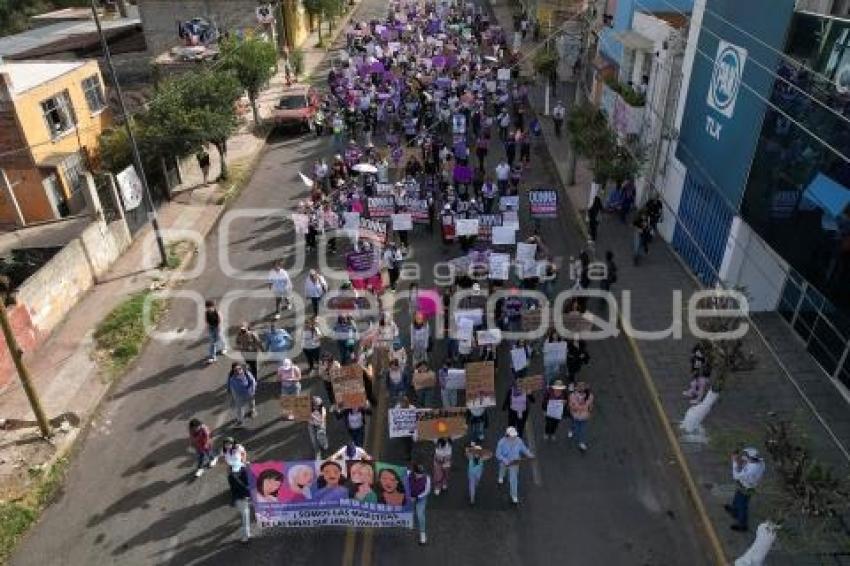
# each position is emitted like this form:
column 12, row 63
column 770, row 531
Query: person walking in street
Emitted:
column 350, row 452
column 216, row 340
column 593, row 218
column 554, row 403
column 317, row 428
column 447, row 395
column 442, row 464
column 747, row 471
column 558, row 114
column 510, row 451
column 234, row 455
column 240, row 494
column 328, row 370
column 242, row 387
column 581, row 406
column 420, row 487
column 315, row 287
column 474, row 468
column 289, row 375
column 281, row 286
column 311, row 343
column 420, row 338
column 355, row 423
column 478, row 420
column 248, row 344
column 517, row 403
column 201, row 440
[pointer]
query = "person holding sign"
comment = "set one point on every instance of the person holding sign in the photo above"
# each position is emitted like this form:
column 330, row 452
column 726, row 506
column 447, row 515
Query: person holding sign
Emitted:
column 355, row 423
column 517, row 404
column 317, row 426
column 510, row 451
column 554, row 403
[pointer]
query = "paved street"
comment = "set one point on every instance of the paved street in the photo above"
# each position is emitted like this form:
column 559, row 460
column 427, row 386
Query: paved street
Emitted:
column 130, row 497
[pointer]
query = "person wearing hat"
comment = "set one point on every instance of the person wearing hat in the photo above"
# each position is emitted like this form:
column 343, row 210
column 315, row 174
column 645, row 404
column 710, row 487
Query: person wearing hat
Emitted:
column 554, row 403
column 289, row 375
column 476, row 455
column 581, row 406
column 747, row 471
column 510, row 451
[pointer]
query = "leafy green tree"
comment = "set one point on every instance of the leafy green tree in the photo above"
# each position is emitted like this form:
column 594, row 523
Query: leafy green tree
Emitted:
column 252, row 60
column 314, row 9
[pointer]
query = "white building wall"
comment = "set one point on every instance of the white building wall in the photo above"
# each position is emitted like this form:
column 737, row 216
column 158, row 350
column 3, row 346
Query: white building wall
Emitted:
column 750, row 263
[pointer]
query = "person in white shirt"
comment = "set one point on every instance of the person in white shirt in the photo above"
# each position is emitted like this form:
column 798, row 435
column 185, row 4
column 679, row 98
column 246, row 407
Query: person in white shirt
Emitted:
column 503, row 173
column 281, row 286
column 747, row 471
column 315, row 287
column 350, row 452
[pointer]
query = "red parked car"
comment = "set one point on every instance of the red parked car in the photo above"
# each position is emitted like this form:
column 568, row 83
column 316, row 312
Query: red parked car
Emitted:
column 296, row 108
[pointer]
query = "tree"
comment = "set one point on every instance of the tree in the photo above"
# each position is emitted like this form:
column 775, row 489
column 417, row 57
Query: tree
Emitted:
column 314, row 10
column 252, row 60
column 210, row 96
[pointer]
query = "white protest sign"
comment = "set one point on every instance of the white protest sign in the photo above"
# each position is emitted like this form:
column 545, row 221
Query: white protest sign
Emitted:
column 402, row 222
column 500, row 266
column 554, row 353
column 489, row 337
column 519, row 359
column 491, row 86
column 402, row 422
column 466, row 226
column 456, row 379
column 510, row 219
column 555, row 409
column 509, row 202
column 504, row 74
column 503, row 235
column 302, row 223
column 525, row 253
column 352, row 221
column 475, row 315
column 464, row 329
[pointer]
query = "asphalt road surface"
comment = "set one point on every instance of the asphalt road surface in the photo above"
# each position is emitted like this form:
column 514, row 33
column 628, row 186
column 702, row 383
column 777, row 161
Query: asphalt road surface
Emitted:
column 130, row 497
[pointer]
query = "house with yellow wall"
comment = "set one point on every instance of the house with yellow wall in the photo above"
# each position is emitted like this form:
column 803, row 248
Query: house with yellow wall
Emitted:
column 51, row 114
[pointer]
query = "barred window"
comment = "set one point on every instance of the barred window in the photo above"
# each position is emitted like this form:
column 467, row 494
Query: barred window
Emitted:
column 94, row 93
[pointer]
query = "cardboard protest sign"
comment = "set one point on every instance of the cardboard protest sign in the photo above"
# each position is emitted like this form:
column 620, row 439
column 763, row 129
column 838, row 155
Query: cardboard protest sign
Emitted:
column 554, row 353
column 519, row 358
column 440, row 423
column 489, row 337
column 543, row 203
column 500, row 266
column 296, row 405
column 381, row 207
column 532, row 319
column 531, row 383
column 424, row 379
column 504, row 235
column 466, row 226
column 456, row 379
column 349, row 391
column 402, row 222
column 480, row 385
column 373, row 230
column 302, row 223
column 402, row 422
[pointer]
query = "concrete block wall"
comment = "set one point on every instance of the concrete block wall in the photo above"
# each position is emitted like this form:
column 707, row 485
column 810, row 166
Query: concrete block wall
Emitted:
column 46, row 297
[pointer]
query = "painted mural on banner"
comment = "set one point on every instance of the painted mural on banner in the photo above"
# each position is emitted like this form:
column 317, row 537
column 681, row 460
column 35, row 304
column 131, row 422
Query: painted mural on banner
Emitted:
column 330, row 493
column 543, row 203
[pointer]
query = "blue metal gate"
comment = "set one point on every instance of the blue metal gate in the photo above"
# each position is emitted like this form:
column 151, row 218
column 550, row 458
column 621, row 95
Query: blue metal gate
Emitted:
column 702, row 230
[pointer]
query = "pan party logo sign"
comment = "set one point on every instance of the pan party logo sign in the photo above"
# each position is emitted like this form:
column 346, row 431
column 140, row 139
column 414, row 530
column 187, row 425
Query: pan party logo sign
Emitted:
column 726, row 80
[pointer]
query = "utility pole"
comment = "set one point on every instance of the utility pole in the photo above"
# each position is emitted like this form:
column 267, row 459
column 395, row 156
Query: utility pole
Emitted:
column 137, row 159
column 579, row 95
column 23, row 373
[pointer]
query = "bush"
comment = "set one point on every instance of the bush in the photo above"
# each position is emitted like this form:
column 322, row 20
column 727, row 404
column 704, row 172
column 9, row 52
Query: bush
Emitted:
column 630, row 95
column 296, row 59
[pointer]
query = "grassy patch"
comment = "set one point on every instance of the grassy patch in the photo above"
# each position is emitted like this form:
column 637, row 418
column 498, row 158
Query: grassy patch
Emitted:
column 238, row 176
column 176, row 252
column 16, row 517
column 120, row 336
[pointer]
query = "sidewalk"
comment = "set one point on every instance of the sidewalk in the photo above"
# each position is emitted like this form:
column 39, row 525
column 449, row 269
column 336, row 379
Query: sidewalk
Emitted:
column 752, row 399
column 63, row 371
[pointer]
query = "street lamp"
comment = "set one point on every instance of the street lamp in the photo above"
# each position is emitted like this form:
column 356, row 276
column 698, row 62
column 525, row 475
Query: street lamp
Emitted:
column 137, row 159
